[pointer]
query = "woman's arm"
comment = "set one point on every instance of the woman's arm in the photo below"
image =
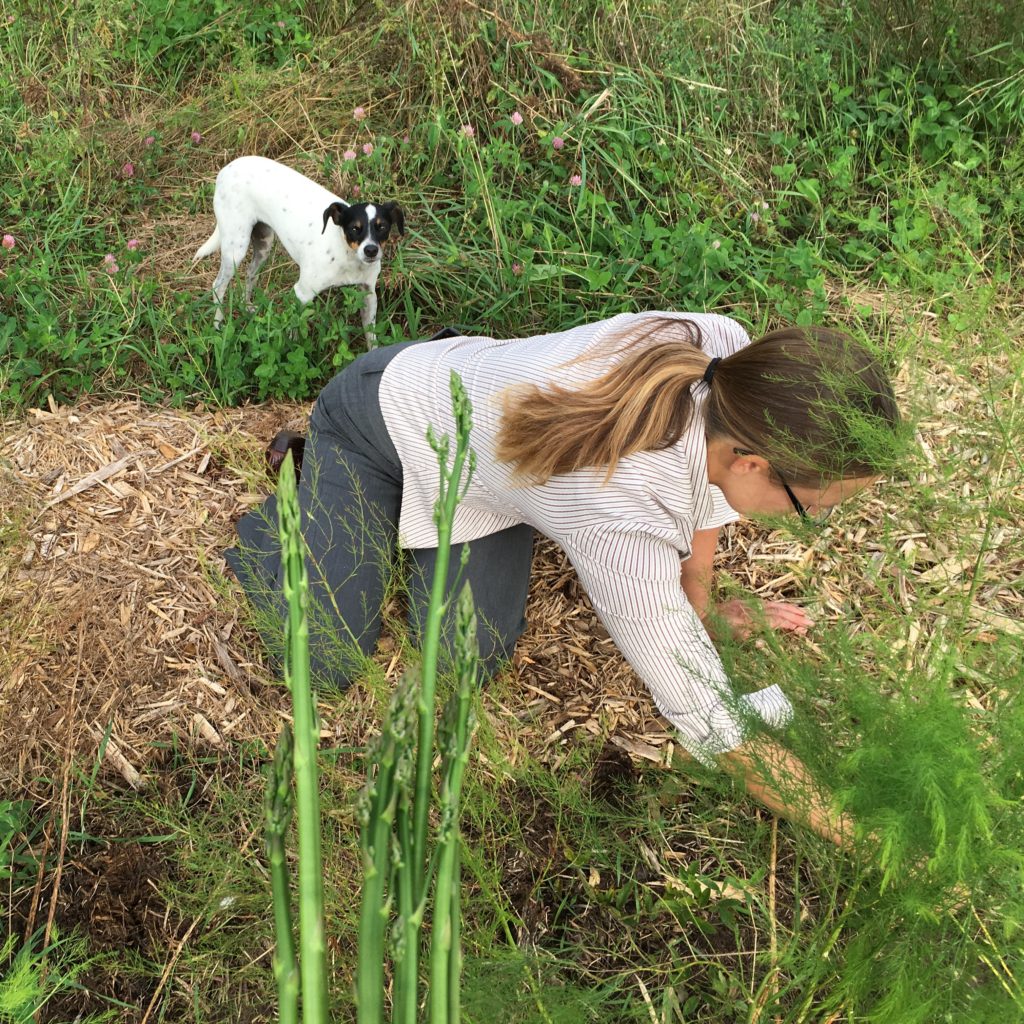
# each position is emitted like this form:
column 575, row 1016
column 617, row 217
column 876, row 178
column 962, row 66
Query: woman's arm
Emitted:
column 662, row 638
column 696, row 574
column 770, row 773
column 781, row 781
column 697, row 571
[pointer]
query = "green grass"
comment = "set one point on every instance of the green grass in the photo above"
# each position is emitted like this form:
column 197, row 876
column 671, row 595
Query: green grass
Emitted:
column 798, row 161
column 744, row 168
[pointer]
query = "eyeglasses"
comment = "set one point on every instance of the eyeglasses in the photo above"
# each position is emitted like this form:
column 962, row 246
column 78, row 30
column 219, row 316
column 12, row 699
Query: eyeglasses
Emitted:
column 817, row 520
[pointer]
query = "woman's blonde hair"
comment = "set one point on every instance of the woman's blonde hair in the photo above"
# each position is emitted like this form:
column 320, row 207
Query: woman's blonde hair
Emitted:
column 814, row 402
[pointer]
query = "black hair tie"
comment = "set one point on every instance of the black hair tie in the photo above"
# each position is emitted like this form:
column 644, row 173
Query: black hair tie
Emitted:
column 709, row 372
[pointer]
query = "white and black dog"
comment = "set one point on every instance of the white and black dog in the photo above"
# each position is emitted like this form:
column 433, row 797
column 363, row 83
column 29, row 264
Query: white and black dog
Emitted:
column 255, row 199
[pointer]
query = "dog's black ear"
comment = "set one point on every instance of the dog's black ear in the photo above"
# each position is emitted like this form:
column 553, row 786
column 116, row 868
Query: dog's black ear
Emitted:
column 335, row 212
column 394, row 211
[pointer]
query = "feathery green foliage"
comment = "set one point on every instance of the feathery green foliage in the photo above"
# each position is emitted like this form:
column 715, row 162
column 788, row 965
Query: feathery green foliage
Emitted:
column 936, row 791
column 30, row 979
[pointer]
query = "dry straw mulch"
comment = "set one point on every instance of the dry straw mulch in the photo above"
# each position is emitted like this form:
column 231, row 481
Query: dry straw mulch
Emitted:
column 115, row 613
column 116, row 616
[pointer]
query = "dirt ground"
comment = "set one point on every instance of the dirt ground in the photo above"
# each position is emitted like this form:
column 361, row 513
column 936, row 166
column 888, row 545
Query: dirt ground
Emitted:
column 119, row 625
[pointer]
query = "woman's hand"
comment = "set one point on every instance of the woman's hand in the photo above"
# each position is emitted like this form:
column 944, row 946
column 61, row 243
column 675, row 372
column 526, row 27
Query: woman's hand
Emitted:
column 743, row 617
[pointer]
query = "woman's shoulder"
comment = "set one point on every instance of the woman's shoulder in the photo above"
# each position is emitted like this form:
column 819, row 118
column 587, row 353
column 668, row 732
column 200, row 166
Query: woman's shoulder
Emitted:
column 720, row 335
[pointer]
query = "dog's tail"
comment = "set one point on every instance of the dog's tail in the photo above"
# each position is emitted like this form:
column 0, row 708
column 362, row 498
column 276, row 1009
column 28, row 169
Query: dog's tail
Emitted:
column 211, row 245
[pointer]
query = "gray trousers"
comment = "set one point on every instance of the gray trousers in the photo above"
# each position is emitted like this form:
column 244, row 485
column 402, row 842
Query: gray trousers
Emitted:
column 350, row 495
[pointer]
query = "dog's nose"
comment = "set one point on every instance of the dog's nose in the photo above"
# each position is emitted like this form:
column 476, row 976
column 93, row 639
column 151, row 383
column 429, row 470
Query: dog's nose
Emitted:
column 371, row 251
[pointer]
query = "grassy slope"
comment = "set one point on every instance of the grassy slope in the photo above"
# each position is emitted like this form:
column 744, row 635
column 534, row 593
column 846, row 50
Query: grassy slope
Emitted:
column 773, row 164
column 867, row 169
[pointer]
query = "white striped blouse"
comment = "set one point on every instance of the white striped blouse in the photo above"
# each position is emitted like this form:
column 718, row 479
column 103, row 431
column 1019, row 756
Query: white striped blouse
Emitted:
column 624, row 537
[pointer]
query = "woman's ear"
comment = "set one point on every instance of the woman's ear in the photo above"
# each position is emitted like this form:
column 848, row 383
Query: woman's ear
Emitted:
column 744, row 461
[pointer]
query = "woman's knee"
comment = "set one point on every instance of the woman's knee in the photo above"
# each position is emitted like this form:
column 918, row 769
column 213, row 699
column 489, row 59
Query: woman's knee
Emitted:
column 336, row 662
column 497, row 644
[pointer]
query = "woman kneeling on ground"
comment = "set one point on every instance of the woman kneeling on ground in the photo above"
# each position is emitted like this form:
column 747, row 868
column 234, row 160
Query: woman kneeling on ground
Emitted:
column 628, row 442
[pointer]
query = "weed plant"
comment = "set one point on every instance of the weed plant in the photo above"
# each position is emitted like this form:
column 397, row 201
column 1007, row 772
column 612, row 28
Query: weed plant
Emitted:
column 29, row 980
column 935, row 790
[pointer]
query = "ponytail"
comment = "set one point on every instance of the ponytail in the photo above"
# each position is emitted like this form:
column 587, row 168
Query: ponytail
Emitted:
column 643, row 403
